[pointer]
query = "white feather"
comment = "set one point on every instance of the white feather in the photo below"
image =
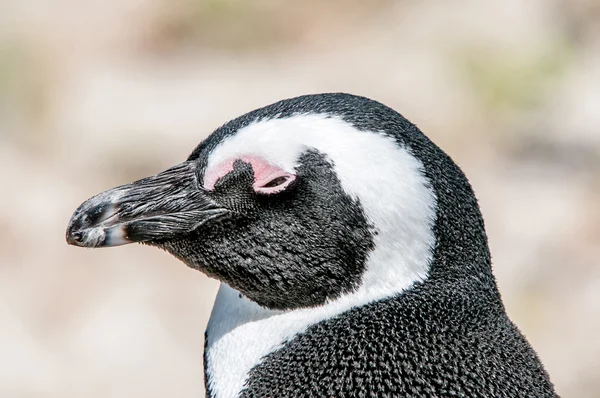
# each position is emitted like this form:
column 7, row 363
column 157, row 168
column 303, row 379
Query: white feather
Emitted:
column 397, row 200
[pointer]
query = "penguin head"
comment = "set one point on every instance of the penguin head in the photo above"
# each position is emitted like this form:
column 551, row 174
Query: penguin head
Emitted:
column 302, row 202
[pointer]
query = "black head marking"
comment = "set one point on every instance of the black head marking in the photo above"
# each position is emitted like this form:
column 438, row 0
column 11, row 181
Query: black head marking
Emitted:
column 295, row 250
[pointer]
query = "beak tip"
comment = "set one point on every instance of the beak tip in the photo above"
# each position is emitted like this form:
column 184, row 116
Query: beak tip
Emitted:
column 74, row 238
column 74, row 234
column 80, row 235
column 96, row 236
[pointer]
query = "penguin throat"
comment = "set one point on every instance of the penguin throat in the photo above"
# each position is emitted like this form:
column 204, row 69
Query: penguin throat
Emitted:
column 240, row 333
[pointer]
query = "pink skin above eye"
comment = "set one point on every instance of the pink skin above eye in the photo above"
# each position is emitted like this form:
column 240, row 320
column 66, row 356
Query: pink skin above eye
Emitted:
column 264, row 173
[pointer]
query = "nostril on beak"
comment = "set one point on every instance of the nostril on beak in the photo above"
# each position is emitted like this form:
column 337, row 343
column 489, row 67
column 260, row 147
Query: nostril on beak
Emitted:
column 99, row 214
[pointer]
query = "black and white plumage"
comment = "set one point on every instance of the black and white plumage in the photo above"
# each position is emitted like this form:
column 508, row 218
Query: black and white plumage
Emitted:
column 352, row 255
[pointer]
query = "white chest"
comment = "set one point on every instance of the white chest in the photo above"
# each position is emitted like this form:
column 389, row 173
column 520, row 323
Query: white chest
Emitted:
column 235, row 341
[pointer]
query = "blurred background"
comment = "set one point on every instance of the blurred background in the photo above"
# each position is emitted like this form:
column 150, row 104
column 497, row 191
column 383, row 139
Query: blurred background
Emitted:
column 97, row 93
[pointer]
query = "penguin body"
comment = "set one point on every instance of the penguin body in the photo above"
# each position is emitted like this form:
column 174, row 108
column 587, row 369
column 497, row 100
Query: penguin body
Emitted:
column 352, row 255
column 452, row 349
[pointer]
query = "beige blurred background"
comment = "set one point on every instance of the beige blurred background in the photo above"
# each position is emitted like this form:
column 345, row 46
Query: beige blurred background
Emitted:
column 96, row 93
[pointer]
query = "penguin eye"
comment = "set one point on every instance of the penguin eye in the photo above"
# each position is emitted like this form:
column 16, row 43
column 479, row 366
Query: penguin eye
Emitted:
column 274, row 183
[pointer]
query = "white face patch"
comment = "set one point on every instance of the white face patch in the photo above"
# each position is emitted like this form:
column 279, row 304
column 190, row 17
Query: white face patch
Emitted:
column 396, row 198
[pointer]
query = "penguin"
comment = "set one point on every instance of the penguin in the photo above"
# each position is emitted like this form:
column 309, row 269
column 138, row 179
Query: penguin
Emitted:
column 351, row 251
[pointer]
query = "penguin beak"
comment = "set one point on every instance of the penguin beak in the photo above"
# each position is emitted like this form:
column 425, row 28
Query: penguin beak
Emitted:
column 154, row 208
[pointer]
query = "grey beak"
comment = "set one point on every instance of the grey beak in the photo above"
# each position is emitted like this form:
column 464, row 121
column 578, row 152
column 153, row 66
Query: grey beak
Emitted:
column 160, row 207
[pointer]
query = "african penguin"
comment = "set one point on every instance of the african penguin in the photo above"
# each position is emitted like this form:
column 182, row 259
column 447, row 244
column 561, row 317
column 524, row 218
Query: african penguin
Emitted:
column 351, row 252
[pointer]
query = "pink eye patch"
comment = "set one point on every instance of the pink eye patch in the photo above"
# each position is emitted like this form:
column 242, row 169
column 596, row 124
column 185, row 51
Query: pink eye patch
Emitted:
column 268, row 178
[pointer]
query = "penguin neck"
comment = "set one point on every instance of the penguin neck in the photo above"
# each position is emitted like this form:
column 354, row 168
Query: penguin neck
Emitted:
column 240, row 333
column 461, row 252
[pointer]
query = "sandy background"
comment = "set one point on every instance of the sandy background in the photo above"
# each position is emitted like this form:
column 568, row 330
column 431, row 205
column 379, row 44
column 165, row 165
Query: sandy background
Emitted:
column 97, row 93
